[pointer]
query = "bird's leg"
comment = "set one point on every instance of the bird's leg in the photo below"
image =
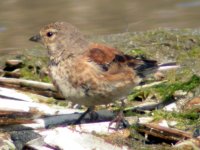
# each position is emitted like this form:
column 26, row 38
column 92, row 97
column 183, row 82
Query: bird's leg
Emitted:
column 89, row 110
column 119, row 119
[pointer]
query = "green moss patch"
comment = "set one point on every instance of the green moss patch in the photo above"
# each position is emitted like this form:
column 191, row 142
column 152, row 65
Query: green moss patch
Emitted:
column 185, row 120
column 35, row 68
column 165, row 91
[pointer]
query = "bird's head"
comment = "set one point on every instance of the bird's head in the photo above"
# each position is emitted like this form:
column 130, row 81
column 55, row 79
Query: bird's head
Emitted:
column 60, row 36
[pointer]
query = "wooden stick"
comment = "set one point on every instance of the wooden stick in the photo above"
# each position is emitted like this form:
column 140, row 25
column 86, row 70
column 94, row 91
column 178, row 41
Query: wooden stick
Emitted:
column 165, row 133
column 57, row 120
column 28, row 83
column 139, row 87
column 46, row 89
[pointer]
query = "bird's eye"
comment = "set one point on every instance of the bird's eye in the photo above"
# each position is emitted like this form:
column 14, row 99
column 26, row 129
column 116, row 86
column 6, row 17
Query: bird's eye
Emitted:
column 49, row 34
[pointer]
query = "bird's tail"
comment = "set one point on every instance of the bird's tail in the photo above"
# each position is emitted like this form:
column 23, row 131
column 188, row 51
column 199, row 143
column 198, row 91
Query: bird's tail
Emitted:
column 148, row 67
column 167, row 66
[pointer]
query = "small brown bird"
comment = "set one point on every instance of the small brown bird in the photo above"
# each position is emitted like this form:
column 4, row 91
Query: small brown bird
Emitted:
column 90, row 74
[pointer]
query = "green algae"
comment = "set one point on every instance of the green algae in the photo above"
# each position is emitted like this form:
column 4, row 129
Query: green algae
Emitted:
column 165, row 91
column 186, row 120
column 34, row 68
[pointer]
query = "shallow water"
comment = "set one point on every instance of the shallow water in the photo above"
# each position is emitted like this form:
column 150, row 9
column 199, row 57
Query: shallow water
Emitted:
column 20, row 19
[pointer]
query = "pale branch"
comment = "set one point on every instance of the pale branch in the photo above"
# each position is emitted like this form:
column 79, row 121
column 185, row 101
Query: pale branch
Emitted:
column 165, row 133
column 46, row 89
column 28, row 83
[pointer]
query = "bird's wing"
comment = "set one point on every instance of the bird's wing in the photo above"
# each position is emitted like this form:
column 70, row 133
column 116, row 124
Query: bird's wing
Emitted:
column 113, row 61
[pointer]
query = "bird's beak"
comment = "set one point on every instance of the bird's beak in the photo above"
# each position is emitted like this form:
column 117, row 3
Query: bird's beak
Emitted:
column 35, row 38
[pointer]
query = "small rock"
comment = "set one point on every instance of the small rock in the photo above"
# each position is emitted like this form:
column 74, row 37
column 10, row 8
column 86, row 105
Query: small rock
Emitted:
column 163, row 123
column 144, row 120
column 13, row 64
column 171, row 107
column 196, row 133
column 168, row 124
column 13, row 74
column 180, row 93
column 172, row 123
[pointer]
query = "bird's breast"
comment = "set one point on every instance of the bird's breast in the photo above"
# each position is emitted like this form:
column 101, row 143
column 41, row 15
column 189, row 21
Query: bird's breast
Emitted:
column 61, row 79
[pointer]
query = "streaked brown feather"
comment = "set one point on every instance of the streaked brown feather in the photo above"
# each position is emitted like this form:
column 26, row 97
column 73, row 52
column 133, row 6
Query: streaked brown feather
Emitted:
column 101, row 54
column 114, row 61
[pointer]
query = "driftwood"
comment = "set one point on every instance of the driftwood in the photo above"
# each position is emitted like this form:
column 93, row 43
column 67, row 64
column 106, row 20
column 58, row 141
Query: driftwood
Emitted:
column 66, row 138
column 168, row 134
column 27, row 83
column 56, row 120
column 46, row 89
column 8, row 105
column 11, row 94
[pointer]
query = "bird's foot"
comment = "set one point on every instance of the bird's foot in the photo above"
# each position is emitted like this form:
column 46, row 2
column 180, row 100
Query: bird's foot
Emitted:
column 120, row 122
